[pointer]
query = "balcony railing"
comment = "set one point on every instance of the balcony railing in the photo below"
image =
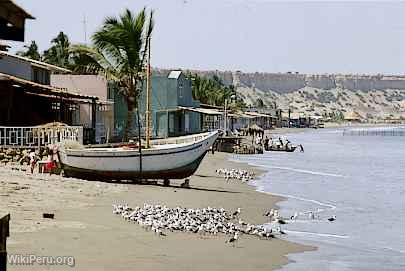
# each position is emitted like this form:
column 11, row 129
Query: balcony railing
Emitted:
column 34, row 137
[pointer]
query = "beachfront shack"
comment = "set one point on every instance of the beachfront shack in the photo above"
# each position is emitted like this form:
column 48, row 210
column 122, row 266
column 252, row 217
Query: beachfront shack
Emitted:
column 28, row 99
column 240, row 120
column 353, row 117
column 174, row 111
column 96, row 86
column 295, row 119
column 212, row 117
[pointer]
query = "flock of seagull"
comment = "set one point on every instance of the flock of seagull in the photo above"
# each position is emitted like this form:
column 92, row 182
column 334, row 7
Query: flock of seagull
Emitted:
column 160, row 219
column 235, row 174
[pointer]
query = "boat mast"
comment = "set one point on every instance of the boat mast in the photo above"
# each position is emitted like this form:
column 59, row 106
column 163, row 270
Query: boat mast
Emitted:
column 148, row 100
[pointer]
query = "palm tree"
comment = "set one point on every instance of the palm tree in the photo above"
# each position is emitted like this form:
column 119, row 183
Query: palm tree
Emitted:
column 58, row 54
column 31, row 51
column 119, row 53
column 260, row 103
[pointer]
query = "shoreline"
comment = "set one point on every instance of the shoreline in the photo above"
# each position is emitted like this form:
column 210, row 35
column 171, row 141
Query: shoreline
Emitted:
column 85, row 227
column 331, row 125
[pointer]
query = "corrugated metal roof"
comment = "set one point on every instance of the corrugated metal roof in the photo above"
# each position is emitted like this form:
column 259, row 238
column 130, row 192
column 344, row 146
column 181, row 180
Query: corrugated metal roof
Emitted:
column 201, row 110
column 293, row 115
column 174, row 74
column 256, row 114
column 37, row 63
column 46, row 88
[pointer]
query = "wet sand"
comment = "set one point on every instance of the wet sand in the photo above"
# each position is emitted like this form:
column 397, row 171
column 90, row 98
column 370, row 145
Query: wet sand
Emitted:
column 84, row 226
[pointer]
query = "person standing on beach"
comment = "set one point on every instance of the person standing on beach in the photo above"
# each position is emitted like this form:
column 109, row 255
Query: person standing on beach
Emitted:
column 52, row 158
column 33, row 160
column 266, row 143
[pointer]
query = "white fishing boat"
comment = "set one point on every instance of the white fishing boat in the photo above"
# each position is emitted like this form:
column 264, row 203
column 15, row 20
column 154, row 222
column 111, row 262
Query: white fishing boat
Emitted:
column 173, row 158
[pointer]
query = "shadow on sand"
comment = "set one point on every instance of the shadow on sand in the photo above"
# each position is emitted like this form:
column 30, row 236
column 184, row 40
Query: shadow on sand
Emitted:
column 155, row 183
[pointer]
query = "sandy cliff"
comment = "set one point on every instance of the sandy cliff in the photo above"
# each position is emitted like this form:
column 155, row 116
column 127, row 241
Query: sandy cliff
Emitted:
column 372, row 96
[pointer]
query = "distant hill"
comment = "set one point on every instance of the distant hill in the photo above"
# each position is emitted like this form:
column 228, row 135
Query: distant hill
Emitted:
column 372, row 96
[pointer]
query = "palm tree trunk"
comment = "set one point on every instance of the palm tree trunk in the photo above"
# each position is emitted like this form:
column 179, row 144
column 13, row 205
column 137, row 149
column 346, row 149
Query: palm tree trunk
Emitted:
column 130, row 118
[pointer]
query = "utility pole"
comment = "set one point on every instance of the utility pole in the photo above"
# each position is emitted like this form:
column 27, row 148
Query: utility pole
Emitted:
column 225, row 116
column 148, row 100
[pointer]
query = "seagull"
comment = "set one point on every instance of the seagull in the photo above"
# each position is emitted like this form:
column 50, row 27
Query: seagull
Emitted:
column 242, row 222
column 160, row 233
column 236, row 213
column 233, row 239
column 280, row 231
column 333, row 218
column 311, row 215
column 269, row 213
column 295, row 216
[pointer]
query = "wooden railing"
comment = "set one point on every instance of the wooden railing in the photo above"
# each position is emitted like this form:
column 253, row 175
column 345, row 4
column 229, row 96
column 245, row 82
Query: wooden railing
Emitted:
column 26, row 137
column 180, row 140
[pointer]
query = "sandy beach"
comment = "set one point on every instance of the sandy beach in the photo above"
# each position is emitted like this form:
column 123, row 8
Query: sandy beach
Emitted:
column 84, row 226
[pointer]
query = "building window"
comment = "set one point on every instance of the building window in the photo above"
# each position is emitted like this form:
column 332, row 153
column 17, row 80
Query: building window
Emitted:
column 180, row 90
column 55, row 106
column 73, row 107
column 40, row 76
column 110, row 91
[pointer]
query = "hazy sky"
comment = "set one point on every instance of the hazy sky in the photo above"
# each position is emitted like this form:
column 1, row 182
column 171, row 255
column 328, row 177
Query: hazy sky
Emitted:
column 247, row 35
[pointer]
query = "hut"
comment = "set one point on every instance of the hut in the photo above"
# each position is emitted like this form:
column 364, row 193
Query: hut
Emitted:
column 353, row 116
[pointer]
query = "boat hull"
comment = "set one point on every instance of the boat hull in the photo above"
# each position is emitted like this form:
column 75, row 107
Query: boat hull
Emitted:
column 171, row 161
column 291, row 149
column 175, row 173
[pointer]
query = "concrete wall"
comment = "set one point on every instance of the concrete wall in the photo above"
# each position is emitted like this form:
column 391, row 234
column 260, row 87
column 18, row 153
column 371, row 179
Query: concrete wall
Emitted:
column 84, row 84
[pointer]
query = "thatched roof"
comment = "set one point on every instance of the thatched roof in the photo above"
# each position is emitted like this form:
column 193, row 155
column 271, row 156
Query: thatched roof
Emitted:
column 353, row 116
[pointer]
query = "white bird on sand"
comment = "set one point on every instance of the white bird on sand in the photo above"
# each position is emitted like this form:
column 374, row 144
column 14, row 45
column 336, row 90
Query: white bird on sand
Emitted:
column 333, row 218
column 159, row 218
column 311, row 215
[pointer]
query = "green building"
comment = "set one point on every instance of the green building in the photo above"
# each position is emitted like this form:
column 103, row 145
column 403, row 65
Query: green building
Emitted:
column 174, row 111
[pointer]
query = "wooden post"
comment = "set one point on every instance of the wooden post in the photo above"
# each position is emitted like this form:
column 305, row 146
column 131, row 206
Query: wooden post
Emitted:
column 93, row 120
column 4, row 233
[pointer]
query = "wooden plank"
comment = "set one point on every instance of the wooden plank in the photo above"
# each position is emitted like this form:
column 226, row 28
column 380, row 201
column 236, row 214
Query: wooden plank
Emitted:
column 4, row 233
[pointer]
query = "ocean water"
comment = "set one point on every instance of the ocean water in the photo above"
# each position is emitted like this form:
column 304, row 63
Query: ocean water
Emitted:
column 360, row 179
